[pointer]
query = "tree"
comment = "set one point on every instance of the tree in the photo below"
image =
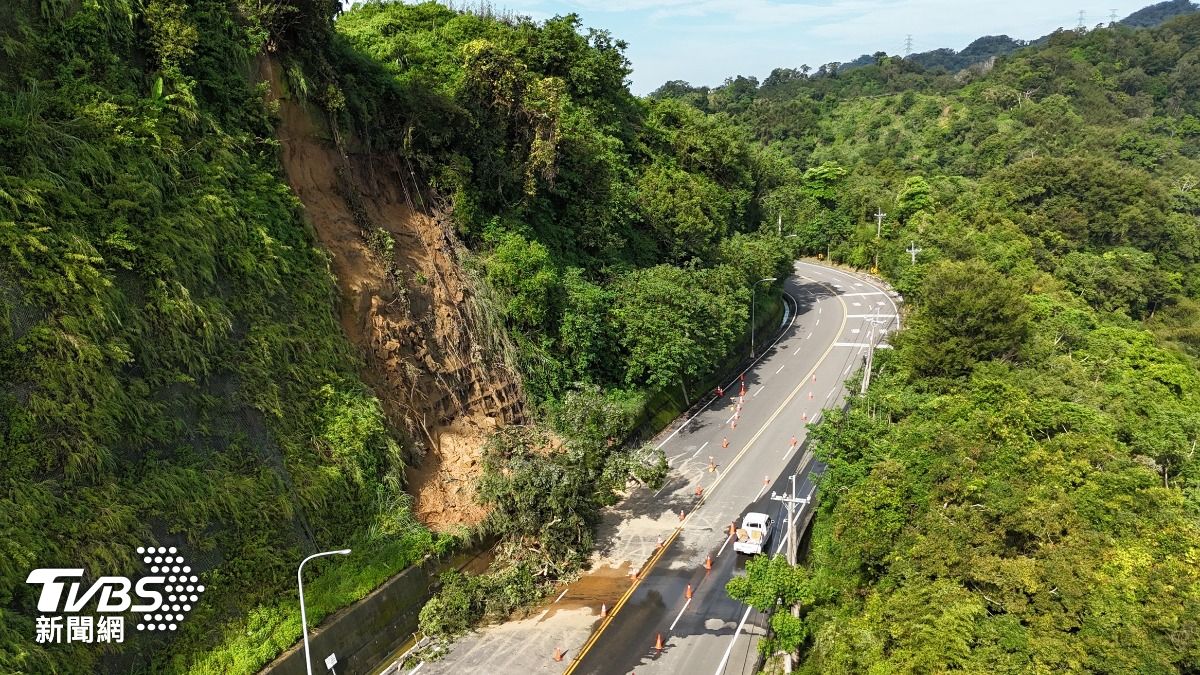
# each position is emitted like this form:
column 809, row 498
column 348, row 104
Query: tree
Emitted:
column 967, row 312
column 916, row 197
column 521, row 270
column 675, row 324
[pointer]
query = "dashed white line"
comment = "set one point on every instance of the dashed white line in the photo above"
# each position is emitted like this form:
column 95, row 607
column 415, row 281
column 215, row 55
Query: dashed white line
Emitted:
column 820, row 310
column 699, row 449
column 755, row 394
column 760, row 492
column 727, row 540
column 560, row 596
column 780, row 369
column 818, row 323
column 414, row 670
column 685, row 606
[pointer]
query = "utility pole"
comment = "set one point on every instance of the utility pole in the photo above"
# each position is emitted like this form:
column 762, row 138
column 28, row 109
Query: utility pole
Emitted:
column 791, row 501
column 913, row 251
column 908, row 45
column 870, row 359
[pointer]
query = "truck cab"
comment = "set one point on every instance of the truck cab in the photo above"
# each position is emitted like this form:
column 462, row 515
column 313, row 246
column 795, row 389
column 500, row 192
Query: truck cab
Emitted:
column 754, row 533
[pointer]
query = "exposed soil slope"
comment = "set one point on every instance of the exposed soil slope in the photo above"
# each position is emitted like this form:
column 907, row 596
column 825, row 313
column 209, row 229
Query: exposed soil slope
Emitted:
column 410, row 312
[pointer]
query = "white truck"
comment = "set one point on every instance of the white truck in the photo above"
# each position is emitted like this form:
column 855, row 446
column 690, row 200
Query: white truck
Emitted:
column 755, row 532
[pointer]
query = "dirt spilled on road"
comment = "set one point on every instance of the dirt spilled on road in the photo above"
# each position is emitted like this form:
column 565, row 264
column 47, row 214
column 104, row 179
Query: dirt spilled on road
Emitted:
column 603, row 586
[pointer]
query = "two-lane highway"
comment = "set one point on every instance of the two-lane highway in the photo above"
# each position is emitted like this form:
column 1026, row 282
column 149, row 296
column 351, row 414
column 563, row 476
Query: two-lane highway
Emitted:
column 736, row 450
column 675, row 596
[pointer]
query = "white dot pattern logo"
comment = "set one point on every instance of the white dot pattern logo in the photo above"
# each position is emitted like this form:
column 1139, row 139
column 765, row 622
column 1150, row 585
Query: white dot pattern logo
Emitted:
column 166, row 561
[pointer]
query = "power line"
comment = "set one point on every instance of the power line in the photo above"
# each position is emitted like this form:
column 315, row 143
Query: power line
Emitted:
column 908, row 45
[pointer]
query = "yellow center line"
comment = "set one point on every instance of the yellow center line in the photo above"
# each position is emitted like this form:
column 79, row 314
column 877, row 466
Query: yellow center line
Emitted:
column 645, row 571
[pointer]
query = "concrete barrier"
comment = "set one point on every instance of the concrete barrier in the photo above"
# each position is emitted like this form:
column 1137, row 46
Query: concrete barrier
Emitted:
column 365, row 633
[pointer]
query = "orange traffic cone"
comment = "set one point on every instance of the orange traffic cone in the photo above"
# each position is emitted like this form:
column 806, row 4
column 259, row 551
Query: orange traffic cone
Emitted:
column 733, row 424
column 688, row 592
column 803, row 417
column 708, row 562
column 658, row 643
column 699, row 491
column 558, row 654
column 766, row 480
column 732, row 528
column 603, row 611
column 725, row 442
column 681, row 516
column 660, row 542
column 711, row 467
column 793, row 441
column 810, row 396
column 814, row 377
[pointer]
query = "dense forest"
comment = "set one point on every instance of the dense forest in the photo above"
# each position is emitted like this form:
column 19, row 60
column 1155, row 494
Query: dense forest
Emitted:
column 1020, row 489
column 173, row 369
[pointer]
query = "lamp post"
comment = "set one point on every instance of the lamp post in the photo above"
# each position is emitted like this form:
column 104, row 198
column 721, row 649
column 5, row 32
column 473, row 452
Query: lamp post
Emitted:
column 303, row 615
column 752, row 290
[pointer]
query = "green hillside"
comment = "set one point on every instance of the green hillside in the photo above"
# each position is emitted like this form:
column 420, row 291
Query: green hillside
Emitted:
column 172, row 369
column 1019, row 491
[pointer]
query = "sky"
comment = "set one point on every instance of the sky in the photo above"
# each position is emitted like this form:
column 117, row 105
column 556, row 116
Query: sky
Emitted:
column 706, row 41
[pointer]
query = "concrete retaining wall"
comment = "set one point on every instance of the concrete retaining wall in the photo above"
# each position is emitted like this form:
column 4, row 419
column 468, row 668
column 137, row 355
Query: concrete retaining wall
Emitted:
column 363, row 634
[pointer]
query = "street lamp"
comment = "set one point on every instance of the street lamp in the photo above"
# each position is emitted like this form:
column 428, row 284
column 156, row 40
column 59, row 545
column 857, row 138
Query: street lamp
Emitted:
column 303, row 616
column 752, row 290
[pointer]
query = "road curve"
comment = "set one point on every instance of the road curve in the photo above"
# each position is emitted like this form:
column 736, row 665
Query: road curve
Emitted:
column 803, row 373
column 786, row 388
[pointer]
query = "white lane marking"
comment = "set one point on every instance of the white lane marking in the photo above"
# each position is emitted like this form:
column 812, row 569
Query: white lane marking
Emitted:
column 732, row 642
column 414, row 670
column 685, row 606
column 820, row 310
column 727, row 540
column 817, row 418
column 755, row 394
column 871, row 316
column 852, row 344
column 847, row 295
column 855, row 330
column 856, row 304
column 818, row 323
column 730, row 418
column 760, row 492
column 560, row 596
column 699, row 412
column 699, row 449
column 780, row 369
column 858, row 283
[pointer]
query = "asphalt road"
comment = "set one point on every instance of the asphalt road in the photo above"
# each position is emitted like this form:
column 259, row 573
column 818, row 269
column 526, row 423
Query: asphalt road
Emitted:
column 838, row 315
